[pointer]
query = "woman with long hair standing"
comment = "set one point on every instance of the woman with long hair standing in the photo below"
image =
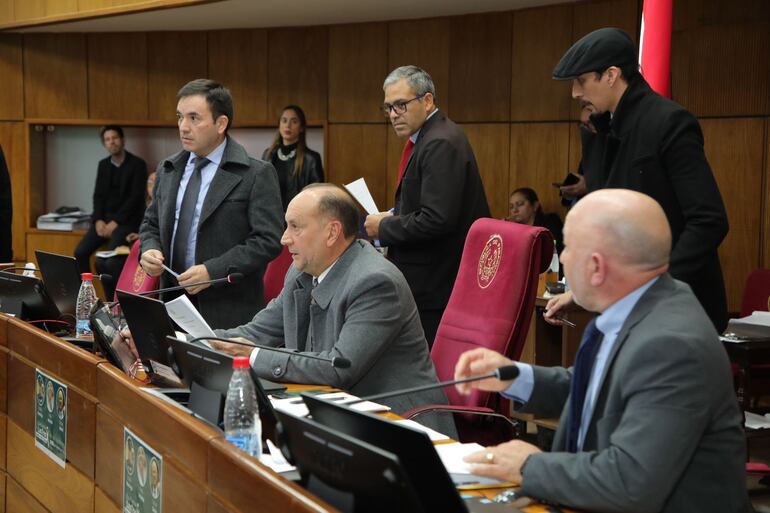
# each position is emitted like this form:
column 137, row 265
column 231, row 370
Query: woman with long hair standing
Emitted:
column 296, row 164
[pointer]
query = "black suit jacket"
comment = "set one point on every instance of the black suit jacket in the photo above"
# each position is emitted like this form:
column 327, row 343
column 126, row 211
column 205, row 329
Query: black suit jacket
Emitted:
column 439, row 197
column 133, row 182
column 654, row 146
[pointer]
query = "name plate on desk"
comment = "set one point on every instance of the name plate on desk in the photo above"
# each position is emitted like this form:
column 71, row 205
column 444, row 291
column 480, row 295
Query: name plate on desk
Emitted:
column 51, row 417
column 142, row 476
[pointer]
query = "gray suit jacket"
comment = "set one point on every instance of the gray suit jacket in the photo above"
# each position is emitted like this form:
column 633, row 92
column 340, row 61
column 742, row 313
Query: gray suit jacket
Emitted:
column 363, row 311
column 239, row 230
column 665, row 434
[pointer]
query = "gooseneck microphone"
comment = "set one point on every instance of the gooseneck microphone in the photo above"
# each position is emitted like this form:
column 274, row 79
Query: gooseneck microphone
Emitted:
column 227, row 280
column 103, row 276
column 505, row 373
column 338, row 362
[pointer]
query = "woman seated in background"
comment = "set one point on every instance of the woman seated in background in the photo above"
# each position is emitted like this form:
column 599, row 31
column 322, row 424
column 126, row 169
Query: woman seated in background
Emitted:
column 296, row 164
column 525, row 209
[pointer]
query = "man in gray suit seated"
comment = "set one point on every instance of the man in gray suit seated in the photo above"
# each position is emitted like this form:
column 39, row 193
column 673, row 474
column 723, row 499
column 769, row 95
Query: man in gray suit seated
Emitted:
column 340, row 298
column 649, row 419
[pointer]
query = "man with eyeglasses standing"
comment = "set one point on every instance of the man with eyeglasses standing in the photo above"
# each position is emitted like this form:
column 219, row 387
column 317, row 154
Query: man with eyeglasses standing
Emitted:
column 438, row 196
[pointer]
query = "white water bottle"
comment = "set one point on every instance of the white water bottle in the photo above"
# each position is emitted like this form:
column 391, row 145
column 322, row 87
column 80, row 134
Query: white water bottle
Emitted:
column 86, row 302
column 243, row 427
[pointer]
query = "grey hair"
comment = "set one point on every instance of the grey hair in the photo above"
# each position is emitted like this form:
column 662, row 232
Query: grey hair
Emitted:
column 417, row 78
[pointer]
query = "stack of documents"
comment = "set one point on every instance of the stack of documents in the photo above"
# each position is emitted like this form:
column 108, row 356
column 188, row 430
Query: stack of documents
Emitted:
column 756, row 421
column 295, row 405
column 77, row 220
column 753, row 327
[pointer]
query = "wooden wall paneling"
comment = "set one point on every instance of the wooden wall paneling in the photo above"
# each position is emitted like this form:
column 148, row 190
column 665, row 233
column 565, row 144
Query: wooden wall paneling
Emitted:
column 690, row 14
column 765, row 262
column 26, row 9
column 534, row 95
column 174, row 58
column 180, row 492
column 539, row 157
column 117, row 75
column 395, row 146
column 298, row 71
column 103, row 504
column 4, row 354
column 18, row 500
column 58, row 7
column 3, row 479
column 356, row 151
column 491, row 146
column 14, row 149
column 12, row 71
column 575, row 148
column 480, row 76
column 358, row 61
column 55, row 76
column 6, row 12
column 61, row 243
column 238, row 59
column 3, row 443
column 59, row 490
column 596, row 14
column 735, row 148
column 20, row 410
column 722, row 70
column 424, row 43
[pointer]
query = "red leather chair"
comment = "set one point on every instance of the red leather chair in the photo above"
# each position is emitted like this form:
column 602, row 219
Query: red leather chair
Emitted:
column 275, row 272
column 756, row 294
column 491, row 306
column 133, row 278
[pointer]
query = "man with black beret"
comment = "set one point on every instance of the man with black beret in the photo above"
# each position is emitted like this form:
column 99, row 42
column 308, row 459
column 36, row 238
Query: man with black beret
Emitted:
column 650, row 144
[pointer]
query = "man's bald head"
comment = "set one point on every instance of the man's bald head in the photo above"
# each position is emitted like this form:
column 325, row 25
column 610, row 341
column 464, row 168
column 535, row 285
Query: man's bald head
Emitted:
column 336, row 203
column 617, row 240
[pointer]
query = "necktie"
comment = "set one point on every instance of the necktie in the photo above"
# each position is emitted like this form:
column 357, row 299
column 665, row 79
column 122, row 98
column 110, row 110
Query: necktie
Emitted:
column 186, row 214
column 404, row 159
column 581, row 375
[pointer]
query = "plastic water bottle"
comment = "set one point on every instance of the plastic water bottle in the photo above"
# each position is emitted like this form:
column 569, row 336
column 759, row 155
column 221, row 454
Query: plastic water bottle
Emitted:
column 243, row 427
column 86, row 302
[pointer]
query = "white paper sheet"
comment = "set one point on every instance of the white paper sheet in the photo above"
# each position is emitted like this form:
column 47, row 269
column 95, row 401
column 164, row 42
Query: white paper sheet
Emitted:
column 360, row 192
column 182, row 311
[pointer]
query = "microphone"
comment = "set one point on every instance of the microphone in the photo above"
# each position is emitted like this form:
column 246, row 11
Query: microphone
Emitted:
column 103, row 276
column 505, row 373
column 338, row 362
column 229, row 279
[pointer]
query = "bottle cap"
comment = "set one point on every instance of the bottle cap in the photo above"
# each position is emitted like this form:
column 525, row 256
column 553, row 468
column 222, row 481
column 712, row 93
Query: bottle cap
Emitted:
column 241, row 362
column 87, row 276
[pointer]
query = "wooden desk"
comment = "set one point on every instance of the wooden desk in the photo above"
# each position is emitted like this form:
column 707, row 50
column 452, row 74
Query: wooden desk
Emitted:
column 201, row 472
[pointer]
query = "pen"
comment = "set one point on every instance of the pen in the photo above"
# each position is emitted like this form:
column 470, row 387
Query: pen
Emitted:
column 568, row 323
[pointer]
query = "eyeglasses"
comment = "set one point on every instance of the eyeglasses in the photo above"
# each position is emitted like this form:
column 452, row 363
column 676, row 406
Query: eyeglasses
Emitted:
column 398, row 107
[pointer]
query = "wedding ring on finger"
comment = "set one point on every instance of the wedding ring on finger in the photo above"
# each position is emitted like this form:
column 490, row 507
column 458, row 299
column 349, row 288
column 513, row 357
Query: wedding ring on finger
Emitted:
column 490, row 457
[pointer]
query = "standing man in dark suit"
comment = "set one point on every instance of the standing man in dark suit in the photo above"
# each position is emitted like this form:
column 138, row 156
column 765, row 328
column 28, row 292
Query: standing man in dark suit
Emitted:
column 215, row 211
column 118, row 198
column 6, row 211
column 439, row 194
column 649, row 419
column 648, row 143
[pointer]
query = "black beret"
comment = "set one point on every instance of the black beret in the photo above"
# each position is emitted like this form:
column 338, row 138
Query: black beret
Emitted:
column 597, row 51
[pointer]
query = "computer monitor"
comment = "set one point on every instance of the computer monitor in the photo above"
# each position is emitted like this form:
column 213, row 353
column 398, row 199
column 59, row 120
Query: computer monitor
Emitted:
column 352, row 475
column 26, row 298
column 414, row 448
column 106, row 323
column 149, row 324
column 207, row 374
column 61, row 278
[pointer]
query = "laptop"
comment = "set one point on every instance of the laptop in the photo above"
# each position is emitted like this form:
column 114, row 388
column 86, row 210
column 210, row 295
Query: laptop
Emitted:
column 435, row 486
column 61, row 277
column 26, row 298
column 149, row 324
